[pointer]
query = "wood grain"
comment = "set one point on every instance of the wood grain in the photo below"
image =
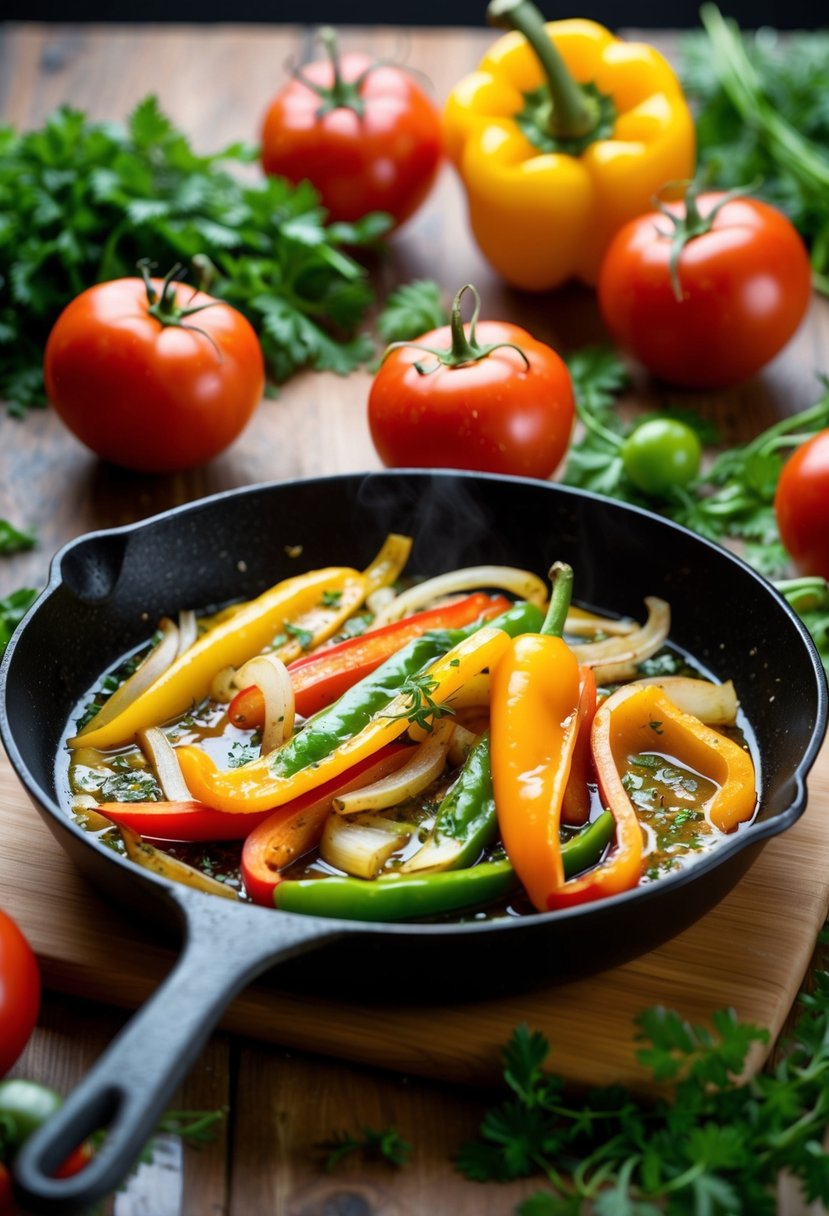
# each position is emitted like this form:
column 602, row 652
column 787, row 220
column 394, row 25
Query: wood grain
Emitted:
column 276, row 1065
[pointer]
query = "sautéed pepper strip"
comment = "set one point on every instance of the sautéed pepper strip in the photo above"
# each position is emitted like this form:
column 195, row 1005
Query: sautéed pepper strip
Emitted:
column 313, row 757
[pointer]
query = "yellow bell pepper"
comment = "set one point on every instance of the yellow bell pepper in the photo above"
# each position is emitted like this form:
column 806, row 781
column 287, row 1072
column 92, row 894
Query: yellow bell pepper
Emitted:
column 562, row 135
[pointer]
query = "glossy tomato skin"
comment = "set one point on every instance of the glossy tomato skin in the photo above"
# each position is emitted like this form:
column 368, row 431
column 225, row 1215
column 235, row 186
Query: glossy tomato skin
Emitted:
column 746, row 286
column 150, row 397
column 495, row 415
column 801, row 505
column 19, row 992
column 385, row 159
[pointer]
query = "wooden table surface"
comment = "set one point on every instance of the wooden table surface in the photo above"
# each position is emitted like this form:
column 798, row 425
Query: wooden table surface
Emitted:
column 214, row 81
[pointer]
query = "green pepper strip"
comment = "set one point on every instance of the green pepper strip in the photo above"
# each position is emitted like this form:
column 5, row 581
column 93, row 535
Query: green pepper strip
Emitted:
column 353, row 711
column 466, row 821
column 405, row 897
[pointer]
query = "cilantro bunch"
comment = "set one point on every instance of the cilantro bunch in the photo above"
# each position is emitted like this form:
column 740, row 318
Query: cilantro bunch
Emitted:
column 711, row 1145
column 82, row 202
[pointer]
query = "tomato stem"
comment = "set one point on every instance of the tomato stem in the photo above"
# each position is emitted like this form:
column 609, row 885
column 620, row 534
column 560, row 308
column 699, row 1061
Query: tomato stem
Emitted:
column 164, row 307
column 340, row 94
column 690, row 223
column 465, row 348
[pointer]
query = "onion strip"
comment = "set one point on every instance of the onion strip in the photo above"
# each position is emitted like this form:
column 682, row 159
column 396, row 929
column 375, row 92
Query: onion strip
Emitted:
column 188, row 630
column 421, row 770
column 581, row 623
column 271, row 677
column 521, row 583
column 713, row 704
column 362, row 846
column 616, row 658
column 161, row 755
column 152, row 666
column 171, row 868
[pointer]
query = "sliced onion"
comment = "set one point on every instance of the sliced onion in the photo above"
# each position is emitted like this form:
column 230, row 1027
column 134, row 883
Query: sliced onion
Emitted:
column 270, row 675
column 161, row 755
column 188, row 630
column 362, row 846
column 581, row 623
column 461, row 744
column 147, row 672
column 158, row 862
column 617, row 658
column 425, row 766
column 521, row 583
column 223, row 687
column 714, row 704
column 379, row 600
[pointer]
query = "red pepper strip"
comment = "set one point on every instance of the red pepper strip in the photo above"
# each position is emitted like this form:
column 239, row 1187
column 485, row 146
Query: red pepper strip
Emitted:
column 622, row 868
column 296, row 828
column 322, row 677
column 197, row 821
column 575, row 808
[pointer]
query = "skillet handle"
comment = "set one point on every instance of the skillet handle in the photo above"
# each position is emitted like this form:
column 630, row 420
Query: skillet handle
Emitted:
column 130, row 1086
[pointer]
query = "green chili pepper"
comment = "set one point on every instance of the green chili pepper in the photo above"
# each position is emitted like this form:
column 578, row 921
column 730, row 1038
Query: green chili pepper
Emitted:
column 399, row 896
column 327, row 729
column 466, row 821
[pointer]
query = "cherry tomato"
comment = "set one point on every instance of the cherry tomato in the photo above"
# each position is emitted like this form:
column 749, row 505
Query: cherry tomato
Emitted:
column 801, row 504
column 661, row 453
column 152, row 384
column 361, row 130
column 19, row 992
column 743, row 280
column 503, row 406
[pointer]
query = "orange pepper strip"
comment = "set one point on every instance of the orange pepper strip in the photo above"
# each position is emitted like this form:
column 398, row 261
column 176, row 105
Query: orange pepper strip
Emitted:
column 645, row 719
column 254, row 786
column 533, row 715
column 539, row 698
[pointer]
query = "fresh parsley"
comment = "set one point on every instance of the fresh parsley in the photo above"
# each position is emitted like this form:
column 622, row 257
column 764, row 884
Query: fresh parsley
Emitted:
column 411, row 311
column 712, row 1144
column 12, row 540
column 82, row 202
column 761, row 108
column 12, row 610
column 371, row 1144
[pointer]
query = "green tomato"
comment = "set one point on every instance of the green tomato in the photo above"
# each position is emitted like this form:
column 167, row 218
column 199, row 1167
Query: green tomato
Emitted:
column 661, row 453
column 24, row 1106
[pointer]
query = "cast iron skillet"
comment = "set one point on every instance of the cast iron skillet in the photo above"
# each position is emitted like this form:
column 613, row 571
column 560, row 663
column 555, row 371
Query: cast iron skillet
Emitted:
column 107, row 590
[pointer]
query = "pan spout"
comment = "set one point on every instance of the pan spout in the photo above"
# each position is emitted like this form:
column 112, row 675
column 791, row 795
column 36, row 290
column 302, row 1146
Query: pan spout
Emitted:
column 90, row 568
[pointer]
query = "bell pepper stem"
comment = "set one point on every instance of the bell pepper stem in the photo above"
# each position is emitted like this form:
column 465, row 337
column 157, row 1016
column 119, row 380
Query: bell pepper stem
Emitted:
column 573, row 113
column 561, row 576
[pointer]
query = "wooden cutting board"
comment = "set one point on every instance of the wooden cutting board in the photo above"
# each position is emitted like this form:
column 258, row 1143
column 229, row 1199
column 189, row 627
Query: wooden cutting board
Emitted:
column 750, row 953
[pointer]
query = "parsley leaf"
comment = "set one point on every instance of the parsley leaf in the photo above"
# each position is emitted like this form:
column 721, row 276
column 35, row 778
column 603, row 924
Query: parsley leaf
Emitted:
column 81, row 202
column 12, row 610
column 12, row 540
column 386, row 1145
column 712, row 1142
column 411, row 311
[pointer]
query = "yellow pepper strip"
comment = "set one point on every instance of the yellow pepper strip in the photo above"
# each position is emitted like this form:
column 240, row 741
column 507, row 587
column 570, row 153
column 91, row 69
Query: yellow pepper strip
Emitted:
column 562, row 135
column 187, row 680
column 259, row 785
column 389, row 563
column 643, row 718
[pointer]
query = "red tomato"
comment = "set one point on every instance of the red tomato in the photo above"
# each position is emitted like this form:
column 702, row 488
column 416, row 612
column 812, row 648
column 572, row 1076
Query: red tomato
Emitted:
column 801, row 504
column 19, row 992
column 745, row 287
column 147, row 386
column 502, row 413
column 366, row 135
